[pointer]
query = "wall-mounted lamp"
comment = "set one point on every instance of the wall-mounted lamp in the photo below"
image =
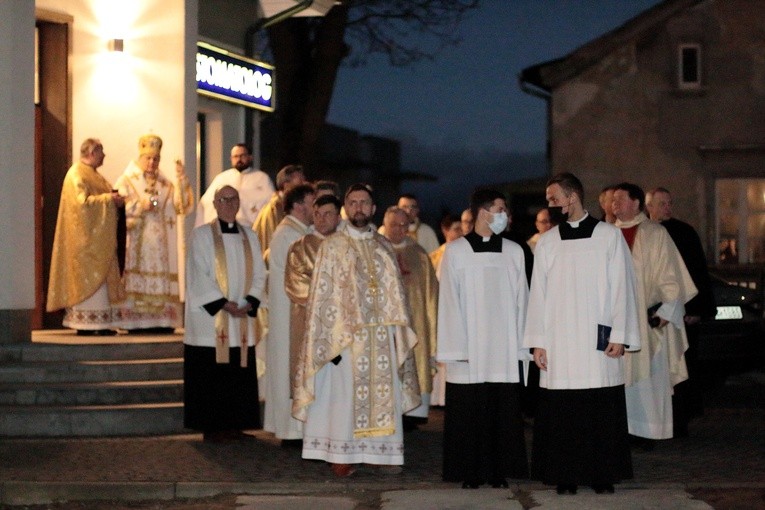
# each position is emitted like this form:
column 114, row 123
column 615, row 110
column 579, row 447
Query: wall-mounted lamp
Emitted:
column 117, row 45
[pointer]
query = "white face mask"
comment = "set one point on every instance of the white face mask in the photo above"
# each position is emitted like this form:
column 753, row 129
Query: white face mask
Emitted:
column 498, row 223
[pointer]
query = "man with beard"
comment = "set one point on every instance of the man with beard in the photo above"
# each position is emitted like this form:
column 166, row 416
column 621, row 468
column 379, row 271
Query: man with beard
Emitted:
column 254, row 186
column 350, row 390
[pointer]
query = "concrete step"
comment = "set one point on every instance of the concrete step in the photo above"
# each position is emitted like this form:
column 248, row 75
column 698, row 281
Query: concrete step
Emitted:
column 104, row 393
column 123, row 420
column 61, row 384
column 58, row 352
column 92, row 371
column 70, row 347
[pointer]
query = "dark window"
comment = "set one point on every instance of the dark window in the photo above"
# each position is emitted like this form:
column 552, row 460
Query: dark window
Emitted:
column 690, row 66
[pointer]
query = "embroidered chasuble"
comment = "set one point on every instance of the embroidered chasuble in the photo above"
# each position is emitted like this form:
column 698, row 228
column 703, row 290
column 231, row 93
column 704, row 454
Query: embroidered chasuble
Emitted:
column 357, row 300
column 85, row 245
column 435, row 259
column 301, row 260
column 421, row 287
column 151, row 265
column 267, row 220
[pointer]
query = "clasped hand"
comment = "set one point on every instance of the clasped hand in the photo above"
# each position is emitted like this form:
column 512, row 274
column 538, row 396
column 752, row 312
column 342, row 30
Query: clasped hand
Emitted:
column 235, row 310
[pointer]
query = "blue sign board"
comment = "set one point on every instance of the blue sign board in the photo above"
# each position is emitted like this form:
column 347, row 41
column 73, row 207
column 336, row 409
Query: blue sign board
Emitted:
column 224, row 75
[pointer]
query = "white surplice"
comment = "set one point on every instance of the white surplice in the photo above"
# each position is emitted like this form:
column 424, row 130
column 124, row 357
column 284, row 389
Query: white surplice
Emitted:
column 255, row 189
column 203, row 288
column 278, row 412
column 577, row 285
column 481, row 313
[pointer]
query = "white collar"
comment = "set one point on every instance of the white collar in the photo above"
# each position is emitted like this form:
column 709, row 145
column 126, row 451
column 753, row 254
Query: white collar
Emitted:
column 640, row 218
column 575, row 224
column 355, row 233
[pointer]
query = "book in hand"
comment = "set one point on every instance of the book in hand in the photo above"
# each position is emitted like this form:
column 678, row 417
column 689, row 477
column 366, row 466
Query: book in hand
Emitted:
column 654, row 321
column 604, row 334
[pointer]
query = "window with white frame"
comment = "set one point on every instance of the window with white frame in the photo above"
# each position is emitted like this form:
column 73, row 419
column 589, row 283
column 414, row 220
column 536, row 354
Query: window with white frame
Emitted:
column 689, row 66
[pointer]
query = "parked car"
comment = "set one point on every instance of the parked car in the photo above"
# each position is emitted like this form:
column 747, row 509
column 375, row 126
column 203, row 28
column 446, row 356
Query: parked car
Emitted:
column 738, row 329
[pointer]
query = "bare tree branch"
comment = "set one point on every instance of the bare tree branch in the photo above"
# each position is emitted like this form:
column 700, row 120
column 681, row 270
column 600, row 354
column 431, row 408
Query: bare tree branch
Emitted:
column 404, row 30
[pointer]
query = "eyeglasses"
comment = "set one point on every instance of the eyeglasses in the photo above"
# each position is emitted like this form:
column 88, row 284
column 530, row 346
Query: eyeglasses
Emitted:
column 227, row 200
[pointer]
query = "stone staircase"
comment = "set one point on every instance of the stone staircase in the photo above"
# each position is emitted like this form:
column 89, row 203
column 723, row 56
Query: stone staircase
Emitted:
column 64, row 385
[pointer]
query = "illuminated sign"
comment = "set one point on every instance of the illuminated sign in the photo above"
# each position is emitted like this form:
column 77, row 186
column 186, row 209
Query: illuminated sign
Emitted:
column 233, row 78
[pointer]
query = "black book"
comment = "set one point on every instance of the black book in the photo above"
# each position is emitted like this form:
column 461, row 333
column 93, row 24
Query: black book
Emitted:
column 654, row 321
column 604, row 334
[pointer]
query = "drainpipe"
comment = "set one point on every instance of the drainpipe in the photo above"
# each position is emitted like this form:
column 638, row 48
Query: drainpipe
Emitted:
column 249, row 51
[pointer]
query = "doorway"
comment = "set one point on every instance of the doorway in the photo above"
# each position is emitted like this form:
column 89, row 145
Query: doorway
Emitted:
column 53, row 146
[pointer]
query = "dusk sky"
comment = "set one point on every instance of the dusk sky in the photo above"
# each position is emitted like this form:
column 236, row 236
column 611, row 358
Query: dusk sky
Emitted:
column 464, row 109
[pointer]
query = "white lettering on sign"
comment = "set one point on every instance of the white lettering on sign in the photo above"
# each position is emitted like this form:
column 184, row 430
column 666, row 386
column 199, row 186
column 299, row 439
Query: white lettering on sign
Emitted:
column 233, row 77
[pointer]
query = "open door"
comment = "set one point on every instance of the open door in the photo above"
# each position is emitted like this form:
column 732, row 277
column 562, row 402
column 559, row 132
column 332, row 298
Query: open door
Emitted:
column 53, row 148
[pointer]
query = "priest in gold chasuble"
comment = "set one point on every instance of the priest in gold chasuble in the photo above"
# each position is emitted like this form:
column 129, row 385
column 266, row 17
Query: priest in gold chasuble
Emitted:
column 421, row 287
column 353, row 386
column 84, row 272
column 301, row 260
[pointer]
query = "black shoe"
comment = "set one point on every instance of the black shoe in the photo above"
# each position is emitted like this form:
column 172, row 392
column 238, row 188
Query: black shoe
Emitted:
column 564, row 488
column 409, row 423
column 152, row 331
column 96, row 332
column 499, row 483
column 470, row 484
column 216, row 436
column 603, row 488
column 292, row 443
column 642, row 443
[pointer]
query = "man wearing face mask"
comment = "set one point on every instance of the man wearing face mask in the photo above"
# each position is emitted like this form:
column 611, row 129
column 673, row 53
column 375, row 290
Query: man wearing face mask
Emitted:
column 481, row 314
column 582, row 316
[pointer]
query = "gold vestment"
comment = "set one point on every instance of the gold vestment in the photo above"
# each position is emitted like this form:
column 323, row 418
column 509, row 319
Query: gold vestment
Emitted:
column 421, row 287
column 85, row 244
column 436, row 256
column 301, row 260
column 268, row 218
column 356, row 301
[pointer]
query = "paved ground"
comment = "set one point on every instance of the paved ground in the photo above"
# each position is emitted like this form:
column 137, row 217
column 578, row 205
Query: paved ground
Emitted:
column 721, row 464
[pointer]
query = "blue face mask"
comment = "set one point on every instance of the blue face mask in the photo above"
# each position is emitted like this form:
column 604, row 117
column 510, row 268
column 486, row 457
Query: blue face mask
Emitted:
column 498, row 223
